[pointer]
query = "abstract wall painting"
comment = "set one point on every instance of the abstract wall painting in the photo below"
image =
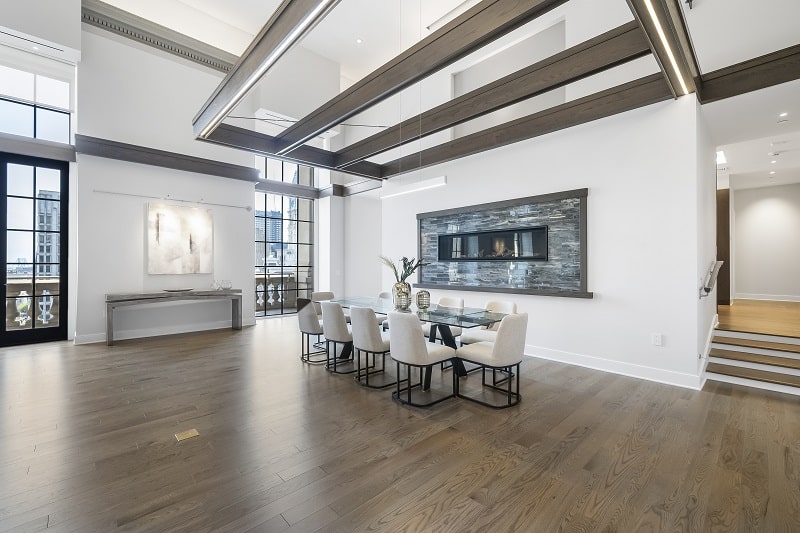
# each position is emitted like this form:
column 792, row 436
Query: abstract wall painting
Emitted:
column 179, row 240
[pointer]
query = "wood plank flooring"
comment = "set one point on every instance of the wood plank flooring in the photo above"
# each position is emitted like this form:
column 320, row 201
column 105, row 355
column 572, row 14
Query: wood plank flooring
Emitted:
column 87, row 444
column 761, row 316
column 783, row 362
column 765, row 345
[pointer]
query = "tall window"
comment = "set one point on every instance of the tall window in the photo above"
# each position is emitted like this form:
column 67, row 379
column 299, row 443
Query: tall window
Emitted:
column 32, row 105
column 284, row 250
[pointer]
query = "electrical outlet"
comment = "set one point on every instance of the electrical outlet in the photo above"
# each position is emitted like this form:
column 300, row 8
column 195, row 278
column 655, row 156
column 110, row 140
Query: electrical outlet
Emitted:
column 657, row 339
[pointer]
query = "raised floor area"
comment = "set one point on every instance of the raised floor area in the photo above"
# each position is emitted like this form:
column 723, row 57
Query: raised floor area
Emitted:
column 87, row 444
column 761, row 317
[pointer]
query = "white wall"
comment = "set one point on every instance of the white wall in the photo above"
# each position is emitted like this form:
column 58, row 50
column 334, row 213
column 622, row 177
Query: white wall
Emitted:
column 133, row 94
column 643, row 226
column 767, row 243
column 329, row 253
column 299, row 83
column 112, row 247
column 363, row 228
column 707, row 234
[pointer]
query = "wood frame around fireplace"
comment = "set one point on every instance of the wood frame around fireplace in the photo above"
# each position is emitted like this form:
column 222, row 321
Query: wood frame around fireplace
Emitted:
column 485, row 273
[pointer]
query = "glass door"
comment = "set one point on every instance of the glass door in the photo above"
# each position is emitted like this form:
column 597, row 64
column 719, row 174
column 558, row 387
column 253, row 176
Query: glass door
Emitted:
column 33, row 240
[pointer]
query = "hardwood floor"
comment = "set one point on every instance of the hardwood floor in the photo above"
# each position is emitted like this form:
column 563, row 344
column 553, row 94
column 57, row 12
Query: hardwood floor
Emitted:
column 761, row 316
column 88, row 445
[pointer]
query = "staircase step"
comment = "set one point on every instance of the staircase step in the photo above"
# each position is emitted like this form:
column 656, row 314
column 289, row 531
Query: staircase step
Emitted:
column 772, row 360
column 749, row 343
column 757, row 375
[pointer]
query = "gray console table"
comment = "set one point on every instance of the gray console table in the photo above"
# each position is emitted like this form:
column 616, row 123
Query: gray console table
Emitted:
column 114, row 301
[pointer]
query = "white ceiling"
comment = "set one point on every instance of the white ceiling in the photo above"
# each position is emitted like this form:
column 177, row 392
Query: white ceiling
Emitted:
column 232, row 25
column 723, row 32
column 726, row 32
column 750, row 163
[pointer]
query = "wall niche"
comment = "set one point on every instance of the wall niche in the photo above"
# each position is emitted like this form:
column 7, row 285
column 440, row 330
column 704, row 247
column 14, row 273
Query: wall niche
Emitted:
column 534, row 245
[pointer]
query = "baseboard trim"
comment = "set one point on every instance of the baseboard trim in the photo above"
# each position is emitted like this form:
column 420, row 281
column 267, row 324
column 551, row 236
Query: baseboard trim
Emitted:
column 667, row 377
column 770, row 297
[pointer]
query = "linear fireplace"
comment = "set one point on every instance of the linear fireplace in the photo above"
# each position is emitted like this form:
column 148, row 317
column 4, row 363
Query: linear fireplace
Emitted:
column 500, row 245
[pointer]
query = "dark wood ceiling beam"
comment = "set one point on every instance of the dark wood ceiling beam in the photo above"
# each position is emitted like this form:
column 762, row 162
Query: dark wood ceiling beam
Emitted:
column 669, row 15
column 291, row 20
column 759, row 73
column 266, row 145
column 605, row 51
column 480, row 25
column 632, row 95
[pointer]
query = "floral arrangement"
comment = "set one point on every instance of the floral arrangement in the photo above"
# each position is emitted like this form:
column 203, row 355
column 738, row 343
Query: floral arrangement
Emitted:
column 409, row 266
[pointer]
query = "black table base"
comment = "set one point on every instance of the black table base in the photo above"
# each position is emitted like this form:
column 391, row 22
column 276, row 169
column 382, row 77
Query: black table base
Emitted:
column 447, row 338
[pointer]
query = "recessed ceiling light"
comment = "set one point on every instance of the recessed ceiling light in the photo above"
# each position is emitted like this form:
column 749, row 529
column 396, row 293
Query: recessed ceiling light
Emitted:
column 772, row 173
column 35, row 47
column 773, row 161
column 359, row 40
column 783, row 115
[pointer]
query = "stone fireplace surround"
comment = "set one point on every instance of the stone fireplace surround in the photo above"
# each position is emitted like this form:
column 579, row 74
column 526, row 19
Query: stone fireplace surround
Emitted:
column 562, row 272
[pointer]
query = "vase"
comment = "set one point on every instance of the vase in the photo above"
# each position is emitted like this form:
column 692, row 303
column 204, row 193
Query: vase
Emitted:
column 423, row 300
column 401, row 295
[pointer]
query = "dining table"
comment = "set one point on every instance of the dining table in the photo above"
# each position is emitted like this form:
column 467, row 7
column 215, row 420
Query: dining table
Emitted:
column 441, row 319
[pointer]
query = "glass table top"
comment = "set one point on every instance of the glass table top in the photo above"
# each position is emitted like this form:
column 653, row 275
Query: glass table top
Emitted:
column 464, row 317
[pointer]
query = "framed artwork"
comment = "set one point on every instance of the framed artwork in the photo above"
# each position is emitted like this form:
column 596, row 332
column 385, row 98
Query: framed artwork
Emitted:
column 180, row 240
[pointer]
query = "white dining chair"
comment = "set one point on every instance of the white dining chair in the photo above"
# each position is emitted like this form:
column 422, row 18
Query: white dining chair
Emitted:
column 371, row 341
column 446, row 301
column 489, row 333
column 505, row 355
column 336, row 331
column 310, row 325
column 411, row 350
column 385, row 300
column 321, row 296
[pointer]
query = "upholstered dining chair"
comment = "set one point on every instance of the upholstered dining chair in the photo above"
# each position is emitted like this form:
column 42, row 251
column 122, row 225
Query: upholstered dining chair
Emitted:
column 385, row 299
column 446, row 301
column 318, row 297
column 505, row 355
column 310, row 325
column 411, row 350
column 489, row 333
column 336, row 331
column 370, row 340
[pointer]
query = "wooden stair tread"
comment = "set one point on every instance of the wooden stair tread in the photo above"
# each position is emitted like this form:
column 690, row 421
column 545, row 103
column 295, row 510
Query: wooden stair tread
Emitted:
column 772, row 360
column 750, row 343
column 757, row 375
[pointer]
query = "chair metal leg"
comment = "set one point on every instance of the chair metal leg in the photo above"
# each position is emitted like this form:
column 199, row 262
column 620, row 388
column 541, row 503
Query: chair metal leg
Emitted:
column 347, row 348
column 363, row 376
column 408, row 399
column 508, row 373
column 306, row 355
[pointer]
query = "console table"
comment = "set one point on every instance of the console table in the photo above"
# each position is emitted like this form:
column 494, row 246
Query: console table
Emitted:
column 114, row 301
